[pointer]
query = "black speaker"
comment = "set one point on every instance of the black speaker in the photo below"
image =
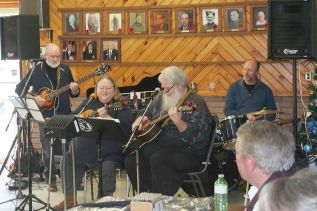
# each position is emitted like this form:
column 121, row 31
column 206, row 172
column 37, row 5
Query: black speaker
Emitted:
column 20, row 37
column 36, row 7
column 292, row 29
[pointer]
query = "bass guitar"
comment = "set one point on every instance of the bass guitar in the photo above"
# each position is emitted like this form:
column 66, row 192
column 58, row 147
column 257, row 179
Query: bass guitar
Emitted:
column 152, row 128
column 50, row 95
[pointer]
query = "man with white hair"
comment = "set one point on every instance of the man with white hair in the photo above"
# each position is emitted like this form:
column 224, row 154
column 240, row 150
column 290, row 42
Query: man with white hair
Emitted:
column 264, row 152
column 295, row 193
column 53, row 75
column 181, row 146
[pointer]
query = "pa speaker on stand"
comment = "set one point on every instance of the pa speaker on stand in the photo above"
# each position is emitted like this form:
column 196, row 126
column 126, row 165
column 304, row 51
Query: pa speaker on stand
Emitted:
column 20, row 38
column 292, row 29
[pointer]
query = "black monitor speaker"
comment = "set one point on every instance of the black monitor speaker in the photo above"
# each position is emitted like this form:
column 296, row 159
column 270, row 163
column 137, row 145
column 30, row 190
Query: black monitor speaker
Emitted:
column 36, row 7
column 20, row 38
column 292, row 29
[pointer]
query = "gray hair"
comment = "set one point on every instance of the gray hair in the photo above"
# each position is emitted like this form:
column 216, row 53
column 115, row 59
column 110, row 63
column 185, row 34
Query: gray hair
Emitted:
column 173, row 74
column 51, row 48
column 295, row 193
column 272, row 146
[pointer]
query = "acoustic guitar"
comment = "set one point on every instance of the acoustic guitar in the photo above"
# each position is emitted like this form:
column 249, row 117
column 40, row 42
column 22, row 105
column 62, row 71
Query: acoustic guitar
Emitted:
column 152, row 128
column 50, row 95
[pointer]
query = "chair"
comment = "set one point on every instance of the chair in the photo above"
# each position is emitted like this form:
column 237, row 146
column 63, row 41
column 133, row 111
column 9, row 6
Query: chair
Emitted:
column 194, row 177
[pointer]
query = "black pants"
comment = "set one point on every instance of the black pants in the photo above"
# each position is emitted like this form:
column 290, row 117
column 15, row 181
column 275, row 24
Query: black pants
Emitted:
column 164, row 163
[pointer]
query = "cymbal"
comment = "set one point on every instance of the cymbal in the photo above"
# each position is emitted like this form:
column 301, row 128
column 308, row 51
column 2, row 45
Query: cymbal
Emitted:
column 265, row 112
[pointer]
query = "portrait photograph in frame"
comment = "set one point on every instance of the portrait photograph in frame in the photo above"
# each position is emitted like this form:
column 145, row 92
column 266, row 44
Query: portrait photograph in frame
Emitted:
column 137, row 22
column 111, row 50
column 210, row 19
column 234, row 18
column 69, row 50
column 160, row 21
column 259, row 17
column 115, row 22
column 92, row 22
column 72, row 22
column 185, row 20
column 89, row 50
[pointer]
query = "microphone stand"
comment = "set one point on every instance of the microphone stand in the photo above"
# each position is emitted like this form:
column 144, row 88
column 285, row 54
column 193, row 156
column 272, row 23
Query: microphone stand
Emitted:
column 132, row 137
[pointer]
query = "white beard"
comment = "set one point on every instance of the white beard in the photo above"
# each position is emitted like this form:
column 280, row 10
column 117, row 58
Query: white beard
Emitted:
column 53, row 64
column 170, row 101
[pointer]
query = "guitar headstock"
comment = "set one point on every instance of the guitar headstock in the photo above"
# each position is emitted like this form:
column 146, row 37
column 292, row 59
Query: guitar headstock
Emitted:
column 102, row 69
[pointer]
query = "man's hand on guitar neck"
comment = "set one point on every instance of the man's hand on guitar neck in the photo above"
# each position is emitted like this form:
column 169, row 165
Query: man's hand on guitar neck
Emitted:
column 74, row 87
column 137, row 122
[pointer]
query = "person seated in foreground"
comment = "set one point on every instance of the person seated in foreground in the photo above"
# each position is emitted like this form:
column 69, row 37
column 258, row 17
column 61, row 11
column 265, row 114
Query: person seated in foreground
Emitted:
column 264, row 152
column 108, row 105
column 295, row 193
column 182, row 144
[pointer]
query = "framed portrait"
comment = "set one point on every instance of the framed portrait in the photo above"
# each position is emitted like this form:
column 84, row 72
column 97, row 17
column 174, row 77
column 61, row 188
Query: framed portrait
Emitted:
column 89, row 50
column 210, row 19
column 259, row 17
column 185, row 20
column 92, row 22
column 115, row 22
column 137, row 22
column 42, row 52
column 234, row 18
column 160, row 20
column 69, row 50
column 72, row 22
column 111, row 50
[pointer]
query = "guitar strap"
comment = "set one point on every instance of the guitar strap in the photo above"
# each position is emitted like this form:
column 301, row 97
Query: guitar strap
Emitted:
column 179, row 103
column 59, row 73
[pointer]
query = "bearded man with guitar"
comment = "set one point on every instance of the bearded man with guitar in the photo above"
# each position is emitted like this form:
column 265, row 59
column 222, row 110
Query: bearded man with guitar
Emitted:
column 181, row 144
column 52, row 75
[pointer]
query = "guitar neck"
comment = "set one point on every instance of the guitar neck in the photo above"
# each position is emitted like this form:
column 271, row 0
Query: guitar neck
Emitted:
column 59, row 91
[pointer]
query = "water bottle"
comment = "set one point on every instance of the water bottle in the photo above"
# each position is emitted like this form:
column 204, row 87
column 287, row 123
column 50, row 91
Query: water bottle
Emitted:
column 221, row 194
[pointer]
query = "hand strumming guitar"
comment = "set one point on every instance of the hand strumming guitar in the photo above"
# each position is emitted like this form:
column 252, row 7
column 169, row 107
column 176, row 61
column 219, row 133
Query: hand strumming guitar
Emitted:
column 136, row 123
column 74, row 87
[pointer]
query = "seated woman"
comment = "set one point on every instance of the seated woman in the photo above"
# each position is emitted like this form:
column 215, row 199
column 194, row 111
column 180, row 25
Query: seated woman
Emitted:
column 108, row 105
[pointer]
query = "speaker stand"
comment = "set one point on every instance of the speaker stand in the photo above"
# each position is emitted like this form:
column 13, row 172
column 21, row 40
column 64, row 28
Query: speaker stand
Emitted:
column 295, row 99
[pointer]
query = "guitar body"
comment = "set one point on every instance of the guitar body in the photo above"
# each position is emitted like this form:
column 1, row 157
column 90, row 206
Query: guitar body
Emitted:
column 45, row 93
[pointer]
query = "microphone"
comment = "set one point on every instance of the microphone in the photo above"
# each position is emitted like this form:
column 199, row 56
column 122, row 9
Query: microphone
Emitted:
column 37, row 60
column 92, row 98
column 156, row 91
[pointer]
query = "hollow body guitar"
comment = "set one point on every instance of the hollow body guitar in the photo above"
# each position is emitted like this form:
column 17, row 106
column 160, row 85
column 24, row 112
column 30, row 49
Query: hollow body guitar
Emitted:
column 50, row 95
column 151, row 129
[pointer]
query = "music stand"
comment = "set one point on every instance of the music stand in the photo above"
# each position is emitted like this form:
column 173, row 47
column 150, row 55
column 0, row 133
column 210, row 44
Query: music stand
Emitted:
column 27, row 108
column 101, row 128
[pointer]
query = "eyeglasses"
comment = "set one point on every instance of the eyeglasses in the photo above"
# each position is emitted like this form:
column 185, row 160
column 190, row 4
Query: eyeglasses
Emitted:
column 167, row 89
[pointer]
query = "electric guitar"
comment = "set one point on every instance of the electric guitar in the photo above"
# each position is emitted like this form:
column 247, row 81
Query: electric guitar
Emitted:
column 50, row 95
column 152, row 128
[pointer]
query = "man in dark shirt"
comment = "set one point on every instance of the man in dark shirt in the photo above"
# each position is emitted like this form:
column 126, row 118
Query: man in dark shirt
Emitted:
column 53, row 75
column 182, row 144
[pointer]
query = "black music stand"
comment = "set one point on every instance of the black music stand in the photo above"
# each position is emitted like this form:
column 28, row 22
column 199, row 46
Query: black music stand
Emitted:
column 64, row 127
column 27, row 108
column 105, row 128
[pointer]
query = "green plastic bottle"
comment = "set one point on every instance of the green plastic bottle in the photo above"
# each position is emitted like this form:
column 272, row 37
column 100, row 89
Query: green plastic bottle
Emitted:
column 221, row 194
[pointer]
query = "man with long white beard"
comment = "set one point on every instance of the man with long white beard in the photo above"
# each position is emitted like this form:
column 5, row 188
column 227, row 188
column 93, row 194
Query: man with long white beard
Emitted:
column 53, row 75
column 181, row 145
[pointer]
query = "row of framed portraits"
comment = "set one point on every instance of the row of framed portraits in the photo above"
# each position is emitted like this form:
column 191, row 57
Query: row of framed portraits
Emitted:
column 90, row 50
column 143, row 21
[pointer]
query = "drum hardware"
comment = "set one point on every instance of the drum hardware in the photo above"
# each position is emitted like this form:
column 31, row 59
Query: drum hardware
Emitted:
column 265, row 112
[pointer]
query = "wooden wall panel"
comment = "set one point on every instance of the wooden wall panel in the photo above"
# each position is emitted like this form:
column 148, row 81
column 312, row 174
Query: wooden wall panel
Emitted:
column 206, row 57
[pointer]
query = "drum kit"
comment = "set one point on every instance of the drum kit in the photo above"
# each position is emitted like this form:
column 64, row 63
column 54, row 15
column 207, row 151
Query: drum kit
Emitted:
column 228, row 126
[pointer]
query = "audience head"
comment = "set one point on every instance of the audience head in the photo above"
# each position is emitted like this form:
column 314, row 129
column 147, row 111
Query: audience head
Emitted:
column 295, row 193
column 52, row 55
column 262, row 148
